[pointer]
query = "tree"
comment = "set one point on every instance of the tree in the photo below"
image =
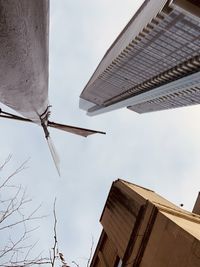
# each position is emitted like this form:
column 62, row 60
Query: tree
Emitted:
column 16, row 245
column 15, row 225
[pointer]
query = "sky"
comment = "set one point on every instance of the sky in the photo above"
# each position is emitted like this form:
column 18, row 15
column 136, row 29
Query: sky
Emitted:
column 160, row 150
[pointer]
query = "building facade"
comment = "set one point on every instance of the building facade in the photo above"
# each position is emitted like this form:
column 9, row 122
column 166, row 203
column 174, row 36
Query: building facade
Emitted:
column 154, row 64
column 141, row 228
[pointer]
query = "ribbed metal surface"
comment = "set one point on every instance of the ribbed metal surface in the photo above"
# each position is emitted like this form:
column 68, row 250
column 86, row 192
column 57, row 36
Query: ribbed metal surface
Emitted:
column 109, row 253
column 119, row 218
column 106, row 253
column 167, row 49
column 186, row 97
column 167, row 41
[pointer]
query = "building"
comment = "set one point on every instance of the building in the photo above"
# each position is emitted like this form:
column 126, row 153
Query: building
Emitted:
column 154, row 64
column 141, row 228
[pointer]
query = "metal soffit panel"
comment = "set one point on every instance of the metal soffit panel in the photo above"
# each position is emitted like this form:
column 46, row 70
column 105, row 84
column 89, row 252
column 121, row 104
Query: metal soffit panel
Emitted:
column 173, row 87
column 168, row 43
column 183, row 98
column 145, row 13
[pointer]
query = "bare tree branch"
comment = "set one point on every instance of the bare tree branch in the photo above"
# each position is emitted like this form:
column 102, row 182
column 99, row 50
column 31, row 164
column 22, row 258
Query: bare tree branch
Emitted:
column 15, row 251
column 75, row 263
column 19, row 169
column 91, row 251
column 5, row 162
column 54, row 252
column 16, row 225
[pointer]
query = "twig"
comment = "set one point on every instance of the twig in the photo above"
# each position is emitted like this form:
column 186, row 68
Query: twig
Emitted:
column 16, row 251
column 91, row 251
column 53, row 257
column 75, row 263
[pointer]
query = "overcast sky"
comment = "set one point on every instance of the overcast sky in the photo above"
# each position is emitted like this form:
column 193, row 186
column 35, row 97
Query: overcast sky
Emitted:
column 159, row 150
